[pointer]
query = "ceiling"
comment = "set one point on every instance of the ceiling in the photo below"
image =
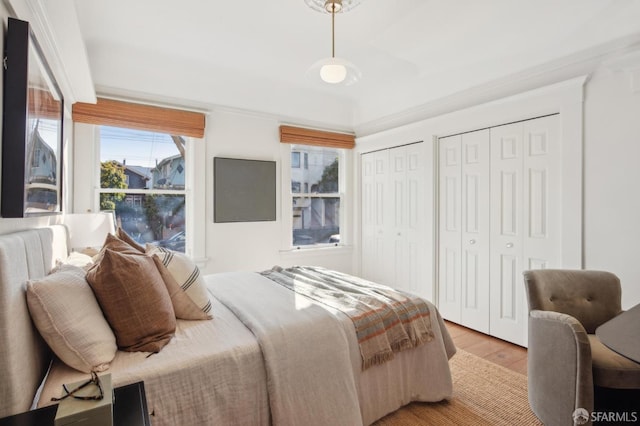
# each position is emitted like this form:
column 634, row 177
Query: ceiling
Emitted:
column 255, row 55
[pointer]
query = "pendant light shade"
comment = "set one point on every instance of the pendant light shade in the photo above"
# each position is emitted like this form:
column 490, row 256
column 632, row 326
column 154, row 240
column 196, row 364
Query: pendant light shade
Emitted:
column 334, row 70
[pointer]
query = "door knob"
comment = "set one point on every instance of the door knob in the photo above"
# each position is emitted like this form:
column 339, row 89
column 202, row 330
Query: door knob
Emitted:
column 509, row 245
column 472, row 241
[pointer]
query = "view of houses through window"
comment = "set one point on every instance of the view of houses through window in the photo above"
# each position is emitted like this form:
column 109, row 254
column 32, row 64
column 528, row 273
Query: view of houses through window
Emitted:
column 316, row 196
column 142, row 179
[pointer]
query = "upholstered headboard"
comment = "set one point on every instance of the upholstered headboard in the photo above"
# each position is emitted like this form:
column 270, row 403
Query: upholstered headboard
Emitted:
column 24, row 356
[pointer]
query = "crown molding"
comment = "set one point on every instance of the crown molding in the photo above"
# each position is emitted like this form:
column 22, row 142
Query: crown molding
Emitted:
column 629, row 64
column 566, row 68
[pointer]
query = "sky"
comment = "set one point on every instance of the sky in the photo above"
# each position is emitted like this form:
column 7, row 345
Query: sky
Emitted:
column 49, row 131
column 137, row 147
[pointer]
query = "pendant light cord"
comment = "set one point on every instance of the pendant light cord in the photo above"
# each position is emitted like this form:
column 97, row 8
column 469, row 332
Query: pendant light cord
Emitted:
column 333, row 30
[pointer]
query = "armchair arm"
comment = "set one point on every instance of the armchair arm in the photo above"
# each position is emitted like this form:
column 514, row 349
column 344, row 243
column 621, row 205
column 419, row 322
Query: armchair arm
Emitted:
column 559, row 367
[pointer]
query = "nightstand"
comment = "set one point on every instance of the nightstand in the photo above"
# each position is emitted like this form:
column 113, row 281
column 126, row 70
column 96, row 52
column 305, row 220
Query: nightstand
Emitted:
column 129, row 409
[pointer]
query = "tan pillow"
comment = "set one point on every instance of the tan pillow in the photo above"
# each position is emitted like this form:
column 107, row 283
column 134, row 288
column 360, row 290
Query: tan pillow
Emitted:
column 68, row 317
column 120, row 233
column 186, row 273
column 116, row 244
column 134, row 300
column 184, row 307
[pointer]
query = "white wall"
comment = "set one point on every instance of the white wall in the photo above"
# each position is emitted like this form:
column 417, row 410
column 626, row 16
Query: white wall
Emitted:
column 612, row 180
column 254, row 246
column 221, row 247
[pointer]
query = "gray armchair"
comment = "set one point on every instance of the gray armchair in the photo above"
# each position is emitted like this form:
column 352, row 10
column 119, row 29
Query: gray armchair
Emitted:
column 565, row 358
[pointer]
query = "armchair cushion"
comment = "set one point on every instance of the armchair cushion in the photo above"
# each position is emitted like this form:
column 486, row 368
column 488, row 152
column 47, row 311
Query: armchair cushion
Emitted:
column 611, row 370
column 592, row 297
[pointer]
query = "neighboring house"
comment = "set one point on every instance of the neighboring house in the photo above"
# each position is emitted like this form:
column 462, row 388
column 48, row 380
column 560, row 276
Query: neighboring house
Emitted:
column 169, row 173
column 137, row 176
column 41, row 161
column 41, row 180
column 320, row 215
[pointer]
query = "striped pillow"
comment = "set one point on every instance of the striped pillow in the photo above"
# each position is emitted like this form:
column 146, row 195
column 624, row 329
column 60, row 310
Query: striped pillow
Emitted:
column 186, row 273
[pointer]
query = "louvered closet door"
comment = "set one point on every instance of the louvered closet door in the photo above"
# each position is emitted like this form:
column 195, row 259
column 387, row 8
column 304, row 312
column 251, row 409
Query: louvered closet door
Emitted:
column 475, row 230
column 374, row 216
column 450, row 227
column 525, row 217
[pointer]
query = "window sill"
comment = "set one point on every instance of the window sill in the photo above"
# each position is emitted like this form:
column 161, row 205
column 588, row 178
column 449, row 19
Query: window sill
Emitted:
column 314, row 251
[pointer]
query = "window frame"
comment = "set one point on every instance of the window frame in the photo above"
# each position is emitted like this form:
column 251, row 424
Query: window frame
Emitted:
column 190, row 144
column 345, row 158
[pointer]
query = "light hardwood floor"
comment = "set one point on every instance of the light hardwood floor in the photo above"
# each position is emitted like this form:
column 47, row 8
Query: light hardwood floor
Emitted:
column 498, row 351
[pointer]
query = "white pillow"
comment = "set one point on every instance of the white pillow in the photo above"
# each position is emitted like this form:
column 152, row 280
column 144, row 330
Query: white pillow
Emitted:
column 76, row 258
column 67, row 315
column 186, row 273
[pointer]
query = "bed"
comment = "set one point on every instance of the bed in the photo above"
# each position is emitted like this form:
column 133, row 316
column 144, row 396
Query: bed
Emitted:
column 258, row 362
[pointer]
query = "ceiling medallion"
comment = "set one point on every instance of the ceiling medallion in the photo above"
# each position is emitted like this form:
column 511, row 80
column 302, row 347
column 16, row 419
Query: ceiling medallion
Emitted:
column 324, row 6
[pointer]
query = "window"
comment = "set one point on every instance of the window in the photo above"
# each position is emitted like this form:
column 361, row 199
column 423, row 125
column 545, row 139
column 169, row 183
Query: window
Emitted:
column 316, row 210
column 143, row 179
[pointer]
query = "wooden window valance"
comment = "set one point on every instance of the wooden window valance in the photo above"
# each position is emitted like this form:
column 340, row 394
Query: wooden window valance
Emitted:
column 292, row 134
column 110, row 112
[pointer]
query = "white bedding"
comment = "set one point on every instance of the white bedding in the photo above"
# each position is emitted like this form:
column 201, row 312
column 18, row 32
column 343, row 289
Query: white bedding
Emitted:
column 213, row 372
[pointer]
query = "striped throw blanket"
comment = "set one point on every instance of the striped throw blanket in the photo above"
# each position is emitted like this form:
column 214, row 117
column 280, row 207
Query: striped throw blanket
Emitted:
column 385, row 320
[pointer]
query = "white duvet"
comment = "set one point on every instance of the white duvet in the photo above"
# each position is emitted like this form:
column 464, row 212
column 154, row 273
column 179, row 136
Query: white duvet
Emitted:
column 221, row 372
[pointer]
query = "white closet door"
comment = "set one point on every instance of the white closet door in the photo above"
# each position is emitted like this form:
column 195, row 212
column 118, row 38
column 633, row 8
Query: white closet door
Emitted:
column 475, row 230
column 450, row 228
column 398, row 216
column 506, row 306
column 368, row 214
column 525, row 217
column 413, row 231
column 542, row 214
column 374, row 216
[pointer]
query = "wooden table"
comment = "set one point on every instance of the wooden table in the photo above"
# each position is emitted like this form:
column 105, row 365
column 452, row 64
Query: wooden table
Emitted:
column 622, row 333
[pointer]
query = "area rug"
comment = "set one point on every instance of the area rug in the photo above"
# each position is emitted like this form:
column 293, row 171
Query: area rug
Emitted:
column 484, row 393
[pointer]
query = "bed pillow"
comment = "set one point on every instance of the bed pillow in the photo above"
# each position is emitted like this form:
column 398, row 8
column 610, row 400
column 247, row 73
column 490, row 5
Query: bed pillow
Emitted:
column 134, row 300
column 68, row 317
column 75, row 258
column 186, row 273
column 120, row 233
column 116, row 244
column 184, row 307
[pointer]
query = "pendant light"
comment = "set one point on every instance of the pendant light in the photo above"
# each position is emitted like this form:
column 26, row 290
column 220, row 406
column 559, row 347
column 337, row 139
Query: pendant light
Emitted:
column 335, row 70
